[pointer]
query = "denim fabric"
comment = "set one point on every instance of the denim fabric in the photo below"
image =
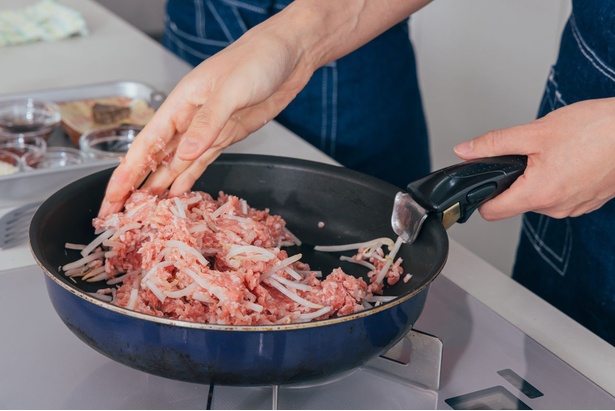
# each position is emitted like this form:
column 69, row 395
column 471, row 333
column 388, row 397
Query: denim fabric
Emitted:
column 571, row 262
column 364, row 110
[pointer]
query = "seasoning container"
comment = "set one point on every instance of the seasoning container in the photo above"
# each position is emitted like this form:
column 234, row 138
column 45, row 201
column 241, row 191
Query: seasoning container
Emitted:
column 108, row 142
column 22, row 146
column 54, row 157
column 29, row 118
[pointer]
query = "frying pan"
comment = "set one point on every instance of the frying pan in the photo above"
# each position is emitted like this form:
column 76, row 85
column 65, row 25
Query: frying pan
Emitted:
column 354, row 207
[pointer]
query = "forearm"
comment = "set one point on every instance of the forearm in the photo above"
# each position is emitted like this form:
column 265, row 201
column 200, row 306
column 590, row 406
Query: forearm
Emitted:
column 321, row 31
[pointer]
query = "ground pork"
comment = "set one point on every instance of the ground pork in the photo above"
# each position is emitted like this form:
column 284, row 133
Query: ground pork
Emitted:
column 218, row 261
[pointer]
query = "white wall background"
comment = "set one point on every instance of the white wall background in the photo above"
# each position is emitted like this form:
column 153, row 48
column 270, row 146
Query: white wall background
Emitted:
column 146, row 15
column 482, row 66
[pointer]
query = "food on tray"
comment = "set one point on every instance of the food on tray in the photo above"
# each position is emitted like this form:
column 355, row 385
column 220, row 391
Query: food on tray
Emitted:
column 7, row 168
column 109, row 113
column 79, row 117
column 220, row 261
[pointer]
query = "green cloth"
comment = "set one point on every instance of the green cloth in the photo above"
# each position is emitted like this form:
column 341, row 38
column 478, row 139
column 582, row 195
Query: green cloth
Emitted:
column 46, row 20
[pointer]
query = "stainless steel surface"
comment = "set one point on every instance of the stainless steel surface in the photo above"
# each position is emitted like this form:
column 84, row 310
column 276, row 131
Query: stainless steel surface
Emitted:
column 37, row 185
column 14, row 225
column 274, row 397
column 408, row 217
column 130, row 89
column 417, row 359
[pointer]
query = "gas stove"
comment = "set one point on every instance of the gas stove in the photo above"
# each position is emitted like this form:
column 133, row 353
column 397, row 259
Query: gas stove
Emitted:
column 461, row 355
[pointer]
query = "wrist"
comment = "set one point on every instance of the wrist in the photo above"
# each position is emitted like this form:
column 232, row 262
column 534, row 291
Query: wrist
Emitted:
column 322, row 31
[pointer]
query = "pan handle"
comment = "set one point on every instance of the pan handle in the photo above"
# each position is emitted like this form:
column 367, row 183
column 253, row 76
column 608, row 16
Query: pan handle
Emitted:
column 465, row 186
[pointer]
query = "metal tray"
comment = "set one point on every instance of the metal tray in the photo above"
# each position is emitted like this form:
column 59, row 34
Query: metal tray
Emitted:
column 37, row 185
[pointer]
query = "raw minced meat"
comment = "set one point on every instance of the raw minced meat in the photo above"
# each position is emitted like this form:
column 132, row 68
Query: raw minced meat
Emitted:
column 219, row 261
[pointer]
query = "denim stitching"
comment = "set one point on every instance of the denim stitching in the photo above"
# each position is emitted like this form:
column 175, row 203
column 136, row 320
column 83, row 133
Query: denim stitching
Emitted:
column 551, row 78
column 220, row 21
column 333, row 109
column 540, row 246
column 328, row 126
column 246, row 6
column 541, row 228
column 539, row 232
column 552, row 94
column 558, row 98
column 556, row 95
column 589, row 53
column 182, row 46
column 323, row 113
column 181, row 34
column 239, row 19
column 200, row 20
column 279, row 5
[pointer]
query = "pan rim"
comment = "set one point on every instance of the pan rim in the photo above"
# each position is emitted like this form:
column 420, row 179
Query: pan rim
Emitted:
column 248, row 159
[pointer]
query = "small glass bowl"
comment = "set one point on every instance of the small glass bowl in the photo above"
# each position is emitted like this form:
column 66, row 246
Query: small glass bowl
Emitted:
column 54, row 157
column 108, row 142
column 29, row 118
column 9, row 163
column 22, row 146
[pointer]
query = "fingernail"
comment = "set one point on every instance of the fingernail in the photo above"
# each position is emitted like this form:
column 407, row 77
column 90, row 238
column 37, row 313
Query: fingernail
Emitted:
column 107, row 208
column 464, row 148
column 187, row 146
column 104, row 208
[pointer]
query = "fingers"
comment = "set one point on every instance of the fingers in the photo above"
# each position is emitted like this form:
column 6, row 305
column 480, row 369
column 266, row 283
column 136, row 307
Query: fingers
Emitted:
column 131, row 172
column 202, row 143
column 513, row 140
column 204, row 129
column 509, row 203
column 180, row 174
column 186, row 180
column 148, row 149
column 197, row 146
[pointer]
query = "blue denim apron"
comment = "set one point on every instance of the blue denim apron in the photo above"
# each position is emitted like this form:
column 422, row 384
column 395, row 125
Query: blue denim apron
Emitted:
column 364, row 110
column 571, row 262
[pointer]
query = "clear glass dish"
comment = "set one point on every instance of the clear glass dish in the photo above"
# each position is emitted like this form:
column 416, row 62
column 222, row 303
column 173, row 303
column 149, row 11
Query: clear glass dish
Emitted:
column 109, row 142
column 28, row 118
column 24, row 146
column 54, row 157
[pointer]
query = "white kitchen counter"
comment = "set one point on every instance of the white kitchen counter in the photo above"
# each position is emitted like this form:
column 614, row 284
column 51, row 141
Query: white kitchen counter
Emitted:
column 115, row 51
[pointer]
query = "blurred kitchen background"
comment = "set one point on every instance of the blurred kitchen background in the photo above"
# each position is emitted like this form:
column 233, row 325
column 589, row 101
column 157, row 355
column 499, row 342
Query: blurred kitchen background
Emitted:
column 482, row 66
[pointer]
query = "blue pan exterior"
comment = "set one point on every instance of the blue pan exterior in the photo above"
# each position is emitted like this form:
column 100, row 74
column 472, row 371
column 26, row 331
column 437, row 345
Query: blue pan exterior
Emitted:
column 234, row 357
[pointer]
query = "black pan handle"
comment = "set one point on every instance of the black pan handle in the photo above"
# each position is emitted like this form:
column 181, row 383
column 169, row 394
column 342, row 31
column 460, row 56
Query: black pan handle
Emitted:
column 468, row 184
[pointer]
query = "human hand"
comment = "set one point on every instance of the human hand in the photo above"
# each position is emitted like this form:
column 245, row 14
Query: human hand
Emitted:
column 221, row 101
column 570, row 169
column 241, row 88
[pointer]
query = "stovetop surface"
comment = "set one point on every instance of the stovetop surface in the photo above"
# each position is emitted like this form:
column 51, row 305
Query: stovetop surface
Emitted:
column 486, row 362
